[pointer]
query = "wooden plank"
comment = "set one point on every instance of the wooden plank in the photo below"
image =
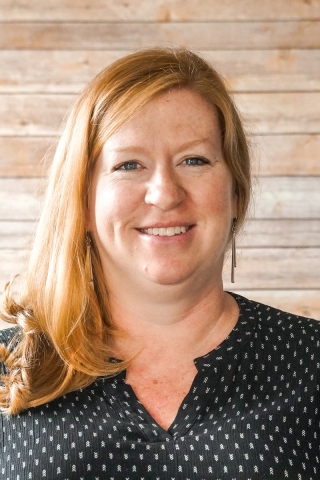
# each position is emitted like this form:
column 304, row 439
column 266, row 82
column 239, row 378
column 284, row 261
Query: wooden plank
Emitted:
column 20, row 199
column 200, row 36
column 299, row 302
column 257, row 268
column 256, row 233
column 33, row 71
column 280, row 233
column 280, row 112
column 16, row 235
column 275, row 268
column 271, row 155
column 268, row 70
column 263, row 113
column 157, row 10
column 25, row 156
column 12, row 262
column 32, row 114
column 286, row 197
column 274, row 198
column 286, row 154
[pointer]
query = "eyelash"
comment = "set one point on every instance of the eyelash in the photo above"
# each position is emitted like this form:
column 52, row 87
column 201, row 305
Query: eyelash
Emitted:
column 127, row 166
column 198, row 159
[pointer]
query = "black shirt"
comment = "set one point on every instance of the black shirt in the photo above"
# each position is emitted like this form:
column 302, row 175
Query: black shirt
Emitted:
column 252, row 413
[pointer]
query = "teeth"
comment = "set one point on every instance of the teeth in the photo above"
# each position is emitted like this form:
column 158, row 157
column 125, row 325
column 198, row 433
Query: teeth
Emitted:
column 165, row 232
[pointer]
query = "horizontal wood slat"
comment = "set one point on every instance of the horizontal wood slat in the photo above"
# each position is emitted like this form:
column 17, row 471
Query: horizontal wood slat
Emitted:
column 257, row 268
column 274, row 198
column 118, row 36
column 280, row 233
column 16, row 234
column 34, row 71
column 256, row 233
column 263, row 113
column 280, row 268
column 25, row 156
column 299, row 302
column 285, row 154
column 271, row 155
column 20, row 200
column 157, row 10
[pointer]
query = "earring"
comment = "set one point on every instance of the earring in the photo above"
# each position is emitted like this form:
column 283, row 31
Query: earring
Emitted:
column 88, row 264
column 233, row 249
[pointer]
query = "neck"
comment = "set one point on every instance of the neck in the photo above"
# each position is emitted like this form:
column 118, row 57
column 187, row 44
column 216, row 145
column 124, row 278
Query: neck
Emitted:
column 190, row 324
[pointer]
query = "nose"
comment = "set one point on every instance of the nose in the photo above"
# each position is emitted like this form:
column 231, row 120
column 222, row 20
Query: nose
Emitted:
column 164, row 190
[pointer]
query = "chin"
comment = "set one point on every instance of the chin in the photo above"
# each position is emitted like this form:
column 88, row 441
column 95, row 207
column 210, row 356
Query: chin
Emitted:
column 168, row 276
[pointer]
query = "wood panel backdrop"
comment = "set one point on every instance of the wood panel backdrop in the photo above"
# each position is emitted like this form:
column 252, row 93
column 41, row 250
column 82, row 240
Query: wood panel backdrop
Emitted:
column 269, row 53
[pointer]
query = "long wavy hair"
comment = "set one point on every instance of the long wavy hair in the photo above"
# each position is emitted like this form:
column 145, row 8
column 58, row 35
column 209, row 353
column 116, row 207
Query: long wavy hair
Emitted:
column 65, row 327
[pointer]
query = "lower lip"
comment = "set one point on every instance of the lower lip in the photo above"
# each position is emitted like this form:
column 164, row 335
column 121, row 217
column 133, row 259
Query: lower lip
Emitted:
column 168, row 240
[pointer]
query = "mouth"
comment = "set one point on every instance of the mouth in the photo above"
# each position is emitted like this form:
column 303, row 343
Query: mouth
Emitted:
column 165, row 231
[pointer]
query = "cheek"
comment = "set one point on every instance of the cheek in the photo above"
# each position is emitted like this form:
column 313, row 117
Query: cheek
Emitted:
column 113, row 206
column 217, row 198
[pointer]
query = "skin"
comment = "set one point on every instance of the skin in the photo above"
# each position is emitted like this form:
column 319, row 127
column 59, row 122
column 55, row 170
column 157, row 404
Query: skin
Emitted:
column 164, row 168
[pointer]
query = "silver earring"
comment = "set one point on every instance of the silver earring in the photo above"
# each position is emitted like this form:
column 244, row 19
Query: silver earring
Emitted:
column 233, row 249
column 88, row 264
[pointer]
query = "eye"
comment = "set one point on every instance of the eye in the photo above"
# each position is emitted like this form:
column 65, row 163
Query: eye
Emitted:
column 195, row 161
column 127, row 166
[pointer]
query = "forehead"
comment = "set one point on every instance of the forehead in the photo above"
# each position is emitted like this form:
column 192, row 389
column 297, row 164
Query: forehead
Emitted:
column 173, row 116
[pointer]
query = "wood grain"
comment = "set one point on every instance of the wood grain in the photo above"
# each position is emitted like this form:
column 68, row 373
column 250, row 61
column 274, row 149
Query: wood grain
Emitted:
column 280, row 233
column 20, row 200
column 263, row 113
column 280, row 155
column 256, row 233
column 280, row 112
column 285, row 154
column 274, row 198
column 16, row 235
column 25, row 156
column 40, row 71
column 157, row 10
column 200, row 36
column 33, row 114
column 286, row 197
column 275, row 268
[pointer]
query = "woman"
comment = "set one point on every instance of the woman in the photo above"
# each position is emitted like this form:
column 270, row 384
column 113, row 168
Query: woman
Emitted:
column 129, row 359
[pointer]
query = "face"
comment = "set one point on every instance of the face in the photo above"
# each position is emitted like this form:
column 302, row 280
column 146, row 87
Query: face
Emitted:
column 162, row 198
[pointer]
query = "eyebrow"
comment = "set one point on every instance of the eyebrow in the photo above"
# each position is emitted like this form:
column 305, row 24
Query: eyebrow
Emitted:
column 184, row 146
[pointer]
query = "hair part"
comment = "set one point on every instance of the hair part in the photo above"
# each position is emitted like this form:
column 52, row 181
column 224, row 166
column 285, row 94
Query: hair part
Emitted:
column 60, row 317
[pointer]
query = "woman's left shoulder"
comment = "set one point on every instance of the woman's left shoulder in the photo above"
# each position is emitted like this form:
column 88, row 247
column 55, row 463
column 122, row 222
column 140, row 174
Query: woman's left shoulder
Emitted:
column 275, row 319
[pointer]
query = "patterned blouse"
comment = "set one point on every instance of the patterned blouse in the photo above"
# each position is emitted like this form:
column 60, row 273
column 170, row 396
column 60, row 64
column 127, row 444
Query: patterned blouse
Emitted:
column 252, row 413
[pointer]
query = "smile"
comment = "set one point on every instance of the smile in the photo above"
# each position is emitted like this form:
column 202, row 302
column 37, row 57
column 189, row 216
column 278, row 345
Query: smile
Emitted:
column 165, row 232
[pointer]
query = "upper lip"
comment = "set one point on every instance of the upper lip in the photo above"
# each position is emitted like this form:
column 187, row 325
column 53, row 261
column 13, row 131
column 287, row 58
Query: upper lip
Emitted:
column 166, row 225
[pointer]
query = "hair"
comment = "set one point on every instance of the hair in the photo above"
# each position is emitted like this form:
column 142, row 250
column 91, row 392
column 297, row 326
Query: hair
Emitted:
column 65, row 327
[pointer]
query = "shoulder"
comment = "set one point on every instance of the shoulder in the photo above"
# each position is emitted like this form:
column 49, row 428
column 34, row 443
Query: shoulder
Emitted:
column 279, row 322
column 6, row 336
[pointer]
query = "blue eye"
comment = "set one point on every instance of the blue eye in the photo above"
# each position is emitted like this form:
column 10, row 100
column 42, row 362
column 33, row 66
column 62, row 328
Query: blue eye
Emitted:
column 128, row 166
column 195, row 161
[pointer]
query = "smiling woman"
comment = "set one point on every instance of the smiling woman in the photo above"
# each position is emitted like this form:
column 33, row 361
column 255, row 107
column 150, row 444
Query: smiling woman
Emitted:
column 128, row 355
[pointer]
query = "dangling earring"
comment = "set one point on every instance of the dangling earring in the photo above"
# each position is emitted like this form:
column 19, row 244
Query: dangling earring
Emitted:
column 88, row 265
column 233, row 249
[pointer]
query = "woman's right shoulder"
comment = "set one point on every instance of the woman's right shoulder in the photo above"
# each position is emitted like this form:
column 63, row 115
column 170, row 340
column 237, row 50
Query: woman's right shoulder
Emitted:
column 6, row 335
